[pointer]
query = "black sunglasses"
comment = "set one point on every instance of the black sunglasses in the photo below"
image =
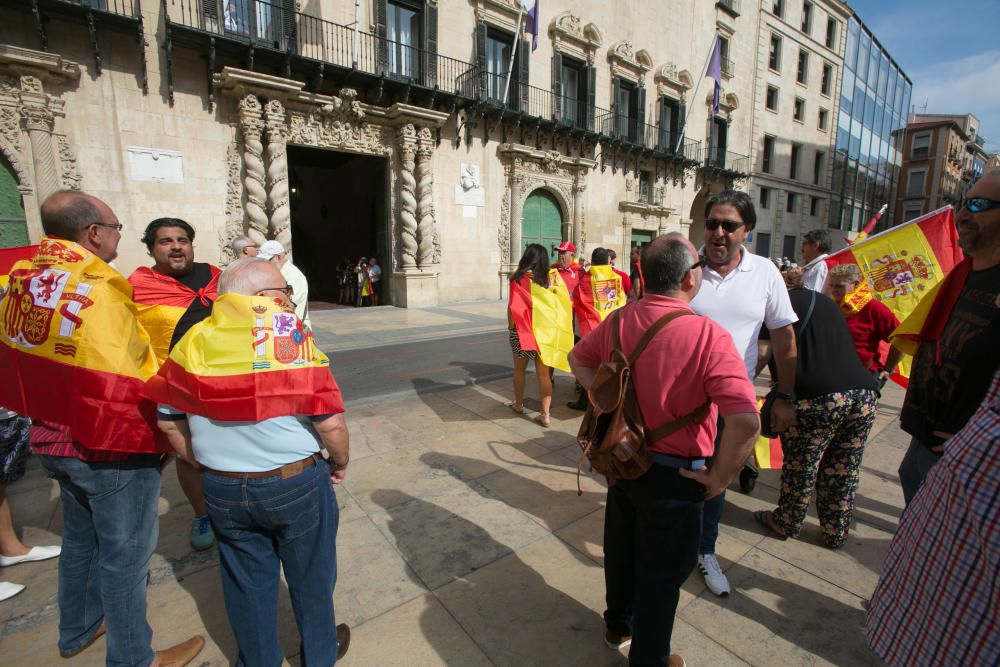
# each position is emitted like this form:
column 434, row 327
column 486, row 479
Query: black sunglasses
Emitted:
column 700, row 264
column 729, row 226
column 979, row 204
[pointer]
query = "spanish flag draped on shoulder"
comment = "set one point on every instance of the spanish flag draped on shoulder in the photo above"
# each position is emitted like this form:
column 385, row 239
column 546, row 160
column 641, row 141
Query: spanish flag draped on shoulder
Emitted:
column 251, row 360
column 162, row 301
column 9, row 257
column 598, row 294
column 543, row 317
column 904, row 266
column 72, row 350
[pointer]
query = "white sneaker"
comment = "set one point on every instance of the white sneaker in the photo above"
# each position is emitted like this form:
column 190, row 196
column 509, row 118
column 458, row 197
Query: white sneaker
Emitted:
column 714, row 577
column 9, row 590
column 35, row 553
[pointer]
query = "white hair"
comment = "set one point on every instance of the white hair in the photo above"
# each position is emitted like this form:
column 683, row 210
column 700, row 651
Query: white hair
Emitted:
column 239, row 245
column 245, row 276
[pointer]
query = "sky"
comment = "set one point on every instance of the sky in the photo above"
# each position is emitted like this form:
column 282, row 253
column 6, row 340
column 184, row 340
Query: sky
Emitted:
column 949, row 49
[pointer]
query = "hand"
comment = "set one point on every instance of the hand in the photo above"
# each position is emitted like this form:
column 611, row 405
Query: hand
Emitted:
column 707, row 478
column 337, row 476
column 782, row 415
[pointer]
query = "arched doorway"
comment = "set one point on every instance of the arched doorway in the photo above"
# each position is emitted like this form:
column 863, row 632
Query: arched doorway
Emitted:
column 541, row 220
column 13, row 228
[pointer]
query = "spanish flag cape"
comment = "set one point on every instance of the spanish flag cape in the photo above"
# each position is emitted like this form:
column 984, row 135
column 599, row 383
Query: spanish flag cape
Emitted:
column 9, row 257
column 72, row 351
column 767, row 452
column 543, row 317
column 162, row 301
column 598, row 294
column 903, row 265
column 251, row 360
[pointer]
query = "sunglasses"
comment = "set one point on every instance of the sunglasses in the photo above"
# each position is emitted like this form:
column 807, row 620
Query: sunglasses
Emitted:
column 700, row 264
column 118, row 227
column 729, row 226
column 287, row 289
column 979, row 204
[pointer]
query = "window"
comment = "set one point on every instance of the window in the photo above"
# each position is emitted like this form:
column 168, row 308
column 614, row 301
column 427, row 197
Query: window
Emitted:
column 774, row 55
column 915, row 183
column 646, row 187
column 574, row 92
column 807, row 17
column 824, row 119
column 626, row 110
column 670, row 123
column 827, row 79
column 778, row 8
column 499, row 49
column 768, row 154
column 814, row 206
column 831, row 32
column 799, row 112
column 803, row 72
column 771, row 101
column 818, row 167
column 788, row 245
column 403, row 34
column 765, row 197
column 717, row 142
column 912, row 211
column 921, row 147
column 793, row 168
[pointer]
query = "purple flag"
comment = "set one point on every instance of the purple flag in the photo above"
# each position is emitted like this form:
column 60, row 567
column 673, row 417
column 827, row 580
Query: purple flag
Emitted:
column 715, row 71
column 531, row 25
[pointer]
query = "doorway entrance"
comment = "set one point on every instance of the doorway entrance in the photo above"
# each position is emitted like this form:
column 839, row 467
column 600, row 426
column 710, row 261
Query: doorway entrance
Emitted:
column 541, row 221
column 339, row 212
column 13, row 229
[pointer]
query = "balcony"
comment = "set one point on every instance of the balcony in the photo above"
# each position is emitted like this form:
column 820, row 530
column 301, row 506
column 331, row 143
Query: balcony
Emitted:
column 725, row 162
column 728, row 68
column 731, row 7
column 659, row 142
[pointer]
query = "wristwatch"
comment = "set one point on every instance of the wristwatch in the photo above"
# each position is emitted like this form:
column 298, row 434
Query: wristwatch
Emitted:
column 335, row 467
column 787, row 397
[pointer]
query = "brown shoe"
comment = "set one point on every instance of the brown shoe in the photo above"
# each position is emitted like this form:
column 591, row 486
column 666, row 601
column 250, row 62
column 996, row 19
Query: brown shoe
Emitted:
column 97, row 634
column 180, row 655
column 676, row 661
column 343, row 639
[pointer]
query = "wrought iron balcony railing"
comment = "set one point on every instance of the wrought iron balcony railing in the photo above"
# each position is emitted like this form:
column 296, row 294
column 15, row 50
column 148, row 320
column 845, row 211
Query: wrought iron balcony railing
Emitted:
column 124, row 8
column 653, row 138
column 728, row 67
column 726, row 161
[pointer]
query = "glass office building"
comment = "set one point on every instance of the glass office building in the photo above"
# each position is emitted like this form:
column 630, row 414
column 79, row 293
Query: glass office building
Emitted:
column 874, row 100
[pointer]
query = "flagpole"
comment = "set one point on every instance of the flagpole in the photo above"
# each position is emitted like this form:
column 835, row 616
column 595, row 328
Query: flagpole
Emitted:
column 697, row 87
column 513, row 54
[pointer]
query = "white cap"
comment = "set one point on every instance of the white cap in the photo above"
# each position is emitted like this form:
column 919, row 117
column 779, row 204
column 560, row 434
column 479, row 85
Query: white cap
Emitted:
column 269, row 249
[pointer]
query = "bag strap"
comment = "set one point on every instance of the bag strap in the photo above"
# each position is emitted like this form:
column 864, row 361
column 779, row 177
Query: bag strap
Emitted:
column 669, row 428
column 805, row 320
column 647, row 336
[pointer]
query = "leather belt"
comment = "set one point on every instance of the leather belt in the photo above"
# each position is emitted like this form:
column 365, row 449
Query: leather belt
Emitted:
column 288, row 470
column 677, row 461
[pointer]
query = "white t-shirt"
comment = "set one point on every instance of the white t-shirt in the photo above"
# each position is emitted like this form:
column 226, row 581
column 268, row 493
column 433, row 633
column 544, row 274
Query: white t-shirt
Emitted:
column 814, row 277
column 752, row 294
column 300, row 295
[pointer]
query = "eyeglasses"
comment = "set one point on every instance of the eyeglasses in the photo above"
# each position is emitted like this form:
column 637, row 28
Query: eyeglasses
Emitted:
column 729, row 226
column 117, row 227
column 979, row 204
column 287, row 289
column 700, row 264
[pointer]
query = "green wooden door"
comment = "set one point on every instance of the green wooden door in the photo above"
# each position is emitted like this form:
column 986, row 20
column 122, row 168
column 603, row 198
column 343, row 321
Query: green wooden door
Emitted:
column 641, row 237
column 541, row 221
column 13, row 229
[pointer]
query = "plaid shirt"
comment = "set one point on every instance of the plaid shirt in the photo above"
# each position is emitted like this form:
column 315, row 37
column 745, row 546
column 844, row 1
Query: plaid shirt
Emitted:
column 938, row 599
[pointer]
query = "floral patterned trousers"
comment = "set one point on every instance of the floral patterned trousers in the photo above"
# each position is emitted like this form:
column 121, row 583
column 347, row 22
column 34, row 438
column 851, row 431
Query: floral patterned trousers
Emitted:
column 824, row 451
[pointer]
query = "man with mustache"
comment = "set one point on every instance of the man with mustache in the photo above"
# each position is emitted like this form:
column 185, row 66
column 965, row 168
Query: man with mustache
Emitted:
column 172, row 296
column 956, row 353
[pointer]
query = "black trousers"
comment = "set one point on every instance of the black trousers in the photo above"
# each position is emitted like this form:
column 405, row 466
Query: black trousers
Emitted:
column 651, row 530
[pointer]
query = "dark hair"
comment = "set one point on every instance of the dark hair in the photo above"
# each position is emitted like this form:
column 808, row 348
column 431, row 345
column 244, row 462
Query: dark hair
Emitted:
column 664, row 263
column 740, row 201
column 149, row 236
column 600, row 256
column 70, row 219
column 821, row 238
column 536, row 260
column 612, row 255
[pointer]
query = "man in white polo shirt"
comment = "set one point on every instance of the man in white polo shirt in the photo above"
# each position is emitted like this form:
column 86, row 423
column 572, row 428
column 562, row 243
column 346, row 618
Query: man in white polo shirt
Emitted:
column 742, row 292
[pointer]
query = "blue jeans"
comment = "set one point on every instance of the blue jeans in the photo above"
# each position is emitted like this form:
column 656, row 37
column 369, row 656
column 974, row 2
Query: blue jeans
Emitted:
column 266, row 524
column 109, row 511
column 711, row 513
column 914, row 468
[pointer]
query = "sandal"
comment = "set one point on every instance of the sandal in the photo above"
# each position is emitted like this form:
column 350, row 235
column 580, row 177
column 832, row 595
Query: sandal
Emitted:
column 763, row 517
column 542, row 419
column 519, row 409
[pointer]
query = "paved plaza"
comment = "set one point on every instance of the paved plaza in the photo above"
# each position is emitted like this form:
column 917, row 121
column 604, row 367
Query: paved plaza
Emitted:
column 463, row 540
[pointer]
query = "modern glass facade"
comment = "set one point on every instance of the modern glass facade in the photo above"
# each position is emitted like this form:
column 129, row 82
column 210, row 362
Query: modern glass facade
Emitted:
column 874, row 99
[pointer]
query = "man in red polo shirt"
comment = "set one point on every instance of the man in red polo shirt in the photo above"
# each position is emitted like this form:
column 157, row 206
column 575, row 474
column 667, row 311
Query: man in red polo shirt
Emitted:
column 567, row 266
column 692, row 359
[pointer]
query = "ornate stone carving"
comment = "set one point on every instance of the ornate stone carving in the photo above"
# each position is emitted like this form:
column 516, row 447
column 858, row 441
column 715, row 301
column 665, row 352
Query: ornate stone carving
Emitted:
column 234, row 204
column 37, row 118
column 626, row 61
column 8, row 86
column 329, row 129
column 503, row 233
column 277, row 175
column 406, row 140
column 252, row 126
column 71, row 179
column 38, row 122
column 426, row 227
column 31, row 84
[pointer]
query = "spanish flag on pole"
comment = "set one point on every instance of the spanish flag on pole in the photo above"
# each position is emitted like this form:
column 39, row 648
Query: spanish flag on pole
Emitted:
column 543, row 318
column 162, row 301
column 72, row 350
column 251, row 360
column 904, row 264
column 598, row 294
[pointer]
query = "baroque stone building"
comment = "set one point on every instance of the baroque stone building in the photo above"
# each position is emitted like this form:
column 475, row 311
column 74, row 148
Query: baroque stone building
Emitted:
column 440, row 136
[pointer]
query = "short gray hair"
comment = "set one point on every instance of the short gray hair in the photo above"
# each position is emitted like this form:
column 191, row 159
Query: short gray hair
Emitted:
column 244, row 277
column 239, row 245
column 664, row 262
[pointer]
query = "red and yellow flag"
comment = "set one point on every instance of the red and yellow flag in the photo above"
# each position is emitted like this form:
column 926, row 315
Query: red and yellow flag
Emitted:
column 904, row 264
column 162, row 301
column 598, row 294
column 767, row 452
column 251, row 360
column 543, row 318
column 9, row 257
column 72, row 350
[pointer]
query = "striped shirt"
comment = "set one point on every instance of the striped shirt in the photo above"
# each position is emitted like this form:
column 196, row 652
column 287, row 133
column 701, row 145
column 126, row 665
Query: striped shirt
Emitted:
column 938, row 599
column 48, row 439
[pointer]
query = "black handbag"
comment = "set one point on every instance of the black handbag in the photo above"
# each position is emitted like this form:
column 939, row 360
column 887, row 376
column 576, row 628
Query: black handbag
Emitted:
column 765, row 409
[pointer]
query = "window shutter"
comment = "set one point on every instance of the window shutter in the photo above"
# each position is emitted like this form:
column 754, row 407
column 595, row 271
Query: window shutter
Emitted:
column 639, row 133
column 615, row 111
column 481, row 58
column 210, row 8
column 678, row 127
column 381, row 47
column 288, row 26
column 557, row 86
column 591, row 97
column 430, row 72
column 523, row 59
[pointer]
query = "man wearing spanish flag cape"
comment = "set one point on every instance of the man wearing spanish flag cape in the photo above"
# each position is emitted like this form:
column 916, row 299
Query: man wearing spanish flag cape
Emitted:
column 599, row 293
column 74, row 359
column 247, row 397
column 172, row 296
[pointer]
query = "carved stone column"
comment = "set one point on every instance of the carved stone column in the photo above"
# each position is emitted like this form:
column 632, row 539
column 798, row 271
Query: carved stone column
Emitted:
column 517, row 183
column 252, row 126
column 427, row 252
column 406, row 139
column 39, row 121
column 579, row 237
column 277, row 174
